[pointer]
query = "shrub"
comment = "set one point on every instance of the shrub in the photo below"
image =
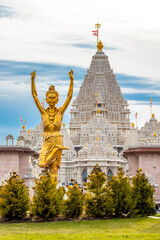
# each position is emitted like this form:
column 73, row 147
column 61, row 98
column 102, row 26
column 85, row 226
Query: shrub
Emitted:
column 121, row 193
column 47, row 200
column 98, row 200
column 73, row 205
column 14, row 201
column 143, row 194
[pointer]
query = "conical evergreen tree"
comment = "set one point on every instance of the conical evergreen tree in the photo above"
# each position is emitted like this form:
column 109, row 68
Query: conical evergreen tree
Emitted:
column 143, row 195
column 47, row 200
column 14, row 200
column 121, row 193
column 98, row 199
column 73, row 205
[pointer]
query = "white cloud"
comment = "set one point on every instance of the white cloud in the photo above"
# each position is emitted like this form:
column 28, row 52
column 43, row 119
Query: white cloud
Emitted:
column 126, row 90
column 44, row 30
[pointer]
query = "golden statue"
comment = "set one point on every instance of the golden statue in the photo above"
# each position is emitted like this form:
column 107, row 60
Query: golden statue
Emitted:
column 51, row 152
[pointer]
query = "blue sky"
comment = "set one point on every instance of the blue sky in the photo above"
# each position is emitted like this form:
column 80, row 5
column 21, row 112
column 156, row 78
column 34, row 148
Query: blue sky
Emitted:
column 53, row 37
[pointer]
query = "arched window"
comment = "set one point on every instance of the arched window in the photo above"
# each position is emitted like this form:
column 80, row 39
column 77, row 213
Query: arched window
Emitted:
column 109, row 174
column 84, row 176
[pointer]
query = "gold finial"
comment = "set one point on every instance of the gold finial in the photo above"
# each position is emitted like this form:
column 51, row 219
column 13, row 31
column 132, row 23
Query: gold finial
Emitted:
column 97, row 128
column 97, row 139
column 153, row 115
column 97, row 25
column 155, row 135
column 132, row 124
column 109, row 145
column 99, row 111
column 23, row 127
column 99, row 46
column 28, row 131
column 64, row 124
column 84, row 145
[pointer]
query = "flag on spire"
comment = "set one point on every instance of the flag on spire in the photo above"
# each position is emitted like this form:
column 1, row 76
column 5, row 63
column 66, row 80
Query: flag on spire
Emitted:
column 95, row 33
column 96, row 95
column 21, row 118
column 136, row 118
column 20, row 122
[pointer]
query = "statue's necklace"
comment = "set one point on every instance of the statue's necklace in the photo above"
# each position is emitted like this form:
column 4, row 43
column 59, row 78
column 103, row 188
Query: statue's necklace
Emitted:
column 51, row 114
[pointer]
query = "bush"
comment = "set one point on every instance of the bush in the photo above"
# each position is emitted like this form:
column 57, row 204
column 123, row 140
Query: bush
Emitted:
column 14, row 200
column 73, row 205
column 143, row 195
column 47, row 200
column 98, row 200
column 121, row 194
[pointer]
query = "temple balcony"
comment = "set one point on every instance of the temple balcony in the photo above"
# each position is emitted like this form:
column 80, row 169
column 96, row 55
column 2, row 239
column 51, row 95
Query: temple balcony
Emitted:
column 74, row 111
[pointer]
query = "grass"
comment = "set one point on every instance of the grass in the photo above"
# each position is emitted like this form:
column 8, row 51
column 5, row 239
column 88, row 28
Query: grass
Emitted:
column 113, row 229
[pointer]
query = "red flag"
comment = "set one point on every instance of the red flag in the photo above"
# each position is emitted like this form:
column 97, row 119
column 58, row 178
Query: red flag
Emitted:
column 25, row 122
column 95, row 33
column 136, row 115
column 20, row 118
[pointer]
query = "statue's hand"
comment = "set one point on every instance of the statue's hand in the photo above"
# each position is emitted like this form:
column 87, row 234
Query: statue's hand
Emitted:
column 71, row 75
column 33, row 74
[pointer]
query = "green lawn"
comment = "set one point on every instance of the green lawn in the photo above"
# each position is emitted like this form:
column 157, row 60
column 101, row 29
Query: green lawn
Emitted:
column 140, row 228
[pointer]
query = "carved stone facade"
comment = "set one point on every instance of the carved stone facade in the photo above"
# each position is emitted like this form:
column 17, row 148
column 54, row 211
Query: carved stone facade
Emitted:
column 101, row 127
column 32, row 137
column 99, row 90
column 97, row 152
column 148, row 135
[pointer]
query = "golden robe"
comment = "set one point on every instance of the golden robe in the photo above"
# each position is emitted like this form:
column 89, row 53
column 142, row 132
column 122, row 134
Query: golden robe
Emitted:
column 52, row 139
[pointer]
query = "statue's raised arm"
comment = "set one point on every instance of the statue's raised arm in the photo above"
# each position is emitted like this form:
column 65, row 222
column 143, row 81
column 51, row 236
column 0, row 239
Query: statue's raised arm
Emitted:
column 34, row 92
column 70, row 93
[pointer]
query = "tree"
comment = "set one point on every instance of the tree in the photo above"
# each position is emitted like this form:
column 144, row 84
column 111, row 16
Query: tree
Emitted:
column 143, row 194
column 98, row 200
column 47, row 200
column 73, row 205
column 121, row 193
column 14, row 200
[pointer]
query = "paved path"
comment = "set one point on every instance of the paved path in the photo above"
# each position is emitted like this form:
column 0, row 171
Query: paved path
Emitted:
column 154, row 217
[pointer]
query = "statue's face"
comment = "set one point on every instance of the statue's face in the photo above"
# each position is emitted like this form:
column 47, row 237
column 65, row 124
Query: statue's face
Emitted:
column 51, row 99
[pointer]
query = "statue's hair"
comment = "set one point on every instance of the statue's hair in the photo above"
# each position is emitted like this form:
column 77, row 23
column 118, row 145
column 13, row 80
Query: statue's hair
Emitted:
column 52, row 90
